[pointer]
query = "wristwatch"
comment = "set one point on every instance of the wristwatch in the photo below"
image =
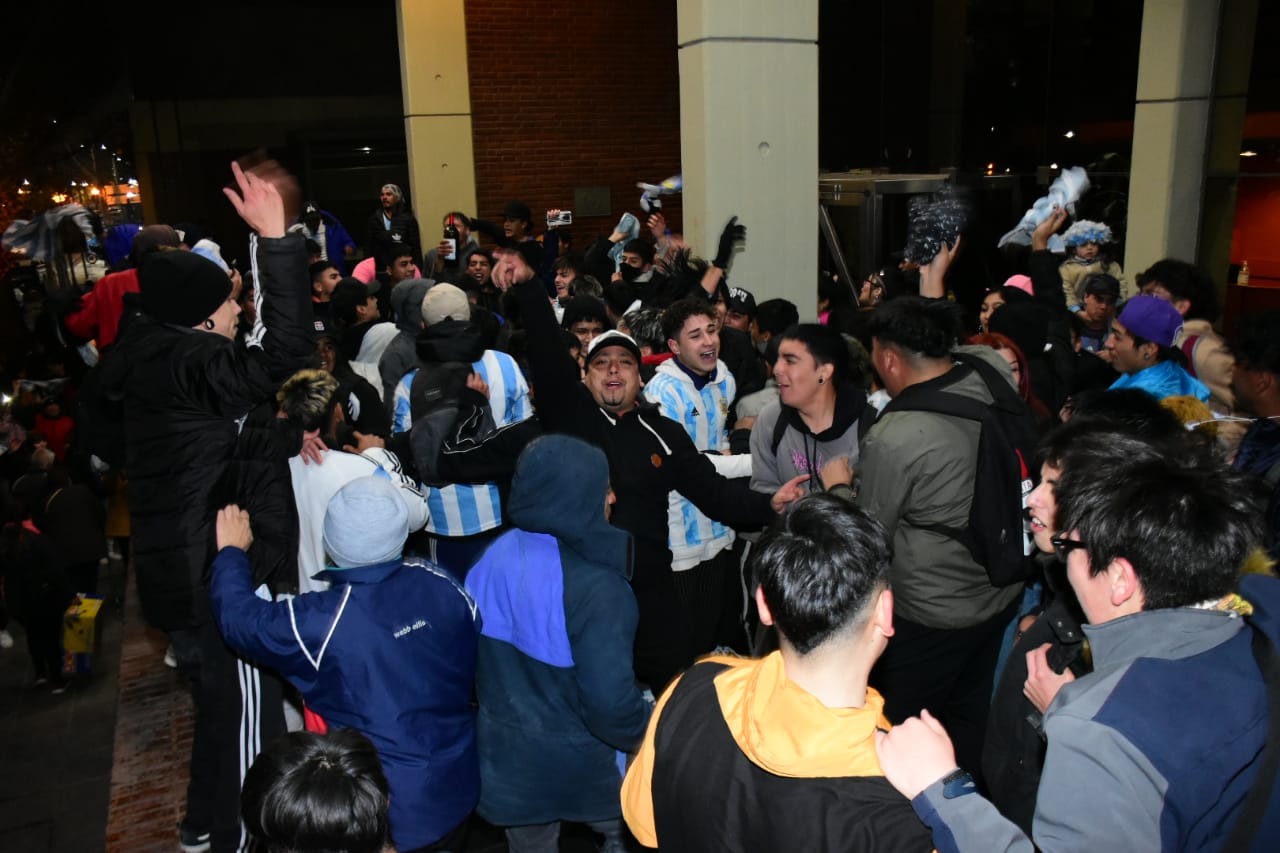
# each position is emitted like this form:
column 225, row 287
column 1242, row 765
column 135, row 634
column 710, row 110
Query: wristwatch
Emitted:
column 957, row 783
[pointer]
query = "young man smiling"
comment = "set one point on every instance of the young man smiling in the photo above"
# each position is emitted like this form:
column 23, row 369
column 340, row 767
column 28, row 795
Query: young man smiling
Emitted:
column 695, row 390
column 648, row 455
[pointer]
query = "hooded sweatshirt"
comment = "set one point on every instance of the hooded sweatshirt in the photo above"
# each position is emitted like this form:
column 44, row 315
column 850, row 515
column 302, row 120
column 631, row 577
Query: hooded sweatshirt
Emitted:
column 558, row 698
column 802, row 451
column 803, row 776
column 401, row 354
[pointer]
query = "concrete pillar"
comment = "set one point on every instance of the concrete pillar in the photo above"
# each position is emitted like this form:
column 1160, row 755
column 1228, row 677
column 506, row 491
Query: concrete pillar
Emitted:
column 1226, row 122
column 749, row 138
column 437, row 110
column 1170, row 130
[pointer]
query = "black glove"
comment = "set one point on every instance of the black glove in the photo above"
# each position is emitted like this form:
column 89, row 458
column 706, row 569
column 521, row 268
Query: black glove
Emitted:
column 732, row 235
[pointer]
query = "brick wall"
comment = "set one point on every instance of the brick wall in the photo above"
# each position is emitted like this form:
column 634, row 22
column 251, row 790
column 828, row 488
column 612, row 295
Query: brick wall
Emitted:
column 572, row 94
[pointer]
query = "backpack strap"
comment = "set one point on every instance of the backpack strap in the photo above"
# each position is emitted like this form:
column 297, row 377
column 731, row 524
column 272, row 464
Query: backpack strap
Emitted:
column 1189, row 350
column 779, row 430
column 1258, row 800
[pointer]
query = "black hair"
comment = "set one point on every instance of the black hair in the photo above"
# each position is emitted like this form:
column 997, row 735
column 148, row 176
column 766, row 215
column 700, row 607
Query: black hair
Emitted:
column 309, row 792
column 458, row 215
column 678, row 313
column 645, row 326
column 312, row 247
column 1128, row 410
column 825, row 344
column 643, row 248
column 1186, row 530
column 398, row 251
column 313, row 271
column 1186, row 281
column 820, row 565
column 1257, row 343
column 920, row 326
column 775, row 316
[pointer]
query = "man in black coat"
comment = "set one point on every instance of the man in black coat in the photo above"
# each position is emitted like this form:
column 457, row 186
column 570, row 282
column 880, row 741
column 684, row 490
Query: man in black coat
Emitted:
column 186, row 386
column 649, row 456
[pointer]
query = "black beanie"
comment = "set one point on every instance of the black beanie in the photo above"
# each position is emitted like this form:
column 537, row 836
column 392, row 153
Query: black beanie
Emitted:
column 182, row 288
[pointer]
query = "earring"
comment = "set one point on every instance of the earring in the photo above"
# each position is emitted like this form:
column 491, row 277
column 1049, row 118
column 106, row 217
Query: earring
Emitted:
column 208, row 324
column 821, row 380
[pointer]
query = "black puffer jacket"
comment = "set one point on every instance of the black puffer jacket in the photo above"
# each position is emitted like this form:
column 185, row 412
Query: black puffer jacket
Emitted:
column 184, row 393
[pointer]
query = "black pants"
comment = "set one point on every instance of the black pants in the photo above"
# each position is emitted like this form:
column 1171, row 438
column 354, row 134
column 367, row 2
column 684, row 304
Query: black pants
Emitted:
column 238, row 710
column 42, row 619
column 711, row 595
column 950, row 671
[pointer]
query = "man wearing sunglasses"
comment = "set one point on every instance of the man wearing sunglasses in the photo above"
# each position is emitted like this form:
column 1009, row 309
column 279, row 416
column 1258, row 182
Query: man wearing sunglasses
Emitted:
column 1160, row 745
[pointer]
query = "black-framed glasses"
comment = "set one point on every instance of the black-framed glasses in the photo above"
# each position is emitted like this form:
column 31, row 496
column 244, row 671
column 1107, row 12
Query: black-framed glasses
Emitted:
column 1062, row 546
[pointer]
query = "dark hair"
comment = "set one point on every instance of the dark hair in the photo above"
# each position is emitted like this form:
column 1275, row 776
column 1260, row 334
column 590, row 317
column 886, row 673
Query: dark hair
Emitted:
column 819, row 566
column 825, row 344
column 775, row 316
column 313, row 271
column 312, row 247
column 1257, row 343
column 1128, row 410
column 458, row 215
column 920, row 326
column 571, row 262
column 643, row 248
column 1185, row 281
column 645, row 326
column 398, row 251
column 1186, row 530
column 679, row 312
column 310, row 792
column 587, row 285
column 307, row 397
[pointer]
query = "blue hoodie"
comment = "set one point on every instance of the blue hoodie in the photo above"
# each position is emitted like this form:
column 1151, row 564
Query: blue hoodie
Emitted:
column 554, row 681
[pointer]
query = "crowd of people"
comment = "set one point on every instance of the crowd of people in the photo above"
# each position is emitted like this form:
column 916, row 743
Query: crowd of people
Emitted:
column 493, row 527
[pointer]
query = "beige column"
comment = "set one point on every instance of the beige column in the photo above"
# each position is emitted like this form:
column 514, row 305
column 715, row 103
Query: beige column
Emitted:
column 1170, row 130
column 749, row 138
column 437, row 110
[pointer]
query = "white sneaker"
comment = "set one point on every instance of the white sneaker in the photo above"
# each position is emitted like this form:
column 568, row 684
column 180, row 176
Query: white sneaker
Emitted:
column 6, row 640
column 170, row 659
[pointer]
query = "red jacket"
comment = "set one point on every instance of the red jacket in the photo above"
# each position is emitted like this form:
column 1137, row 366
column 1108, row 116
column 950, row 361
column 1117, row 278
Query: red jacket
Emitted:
column 99, row 315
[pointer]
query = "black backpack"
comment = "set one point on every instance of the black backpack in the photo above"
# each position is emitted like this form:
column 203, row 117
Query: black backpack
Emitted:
column 1006, row 446
column 433, row 409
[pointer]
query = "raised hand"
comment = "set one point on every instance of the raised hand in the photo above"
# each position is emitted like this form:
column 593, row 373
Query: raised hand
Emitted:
column 261, row 198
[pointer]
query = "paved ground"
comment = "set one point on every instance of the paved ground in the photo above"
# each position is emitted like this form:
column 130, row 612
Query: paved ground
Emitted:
column 55, row 751
column 103, row 766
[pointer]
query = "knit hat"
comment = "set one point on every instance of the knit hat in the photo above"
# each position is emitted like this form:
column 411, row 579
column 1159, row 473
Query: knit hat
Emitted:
column 206, row 248
column 365, row 523
column 612, row 338
column 445, row 302
column 1085, row 231
column 182, row 288
column 1152, row 318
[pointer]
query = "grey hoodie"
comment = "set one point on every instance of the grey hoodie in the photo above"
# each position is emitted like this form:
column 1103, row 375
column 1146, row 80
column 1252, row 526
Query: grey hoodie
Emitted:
column 401, row 354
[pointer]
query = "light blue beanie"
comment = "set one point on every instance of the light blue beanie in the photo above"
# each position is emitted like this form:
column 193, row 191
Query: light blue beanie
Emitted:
column 365, row 523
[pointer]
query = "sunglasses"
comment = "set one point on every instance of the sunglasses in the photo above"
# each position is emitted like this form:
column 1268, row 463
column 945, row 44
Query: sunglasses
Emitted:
column 1063, row 546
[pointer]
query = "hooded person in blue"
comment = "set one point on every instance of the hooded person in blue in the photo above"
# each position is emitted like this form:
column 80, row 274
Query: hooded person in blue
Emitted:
column 558, row 699
column 389, row 650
